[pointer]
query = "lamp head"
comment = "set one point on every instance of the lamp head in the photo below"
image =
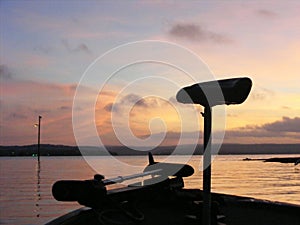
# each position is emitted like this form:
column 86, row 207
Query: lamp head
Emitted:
column 219, row 92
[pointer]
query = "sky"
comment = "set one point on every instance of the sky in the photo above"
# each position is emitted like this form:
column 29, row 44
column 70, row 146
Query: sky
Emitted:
column 110, row 71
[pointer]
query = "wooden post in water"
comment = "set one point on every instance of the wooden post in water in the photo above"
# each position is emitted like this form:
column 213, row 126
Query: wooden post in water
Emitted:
column 39, row 137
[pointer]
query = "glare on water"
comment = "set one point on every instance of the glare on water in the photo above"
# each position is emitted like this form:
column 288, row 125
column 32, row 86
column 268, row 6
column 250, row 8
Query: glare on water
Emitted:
column 26, row 186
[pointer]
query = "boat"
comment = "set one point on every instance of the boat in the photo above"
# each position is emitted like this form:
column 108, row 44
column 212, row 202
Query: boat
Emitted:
column 162, row 199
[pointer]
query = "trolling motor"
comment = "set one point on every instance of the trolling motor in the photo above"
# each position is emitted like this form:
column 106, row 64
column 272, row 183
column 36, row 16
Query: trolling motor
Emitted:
column 93, row 192
column 87, row 192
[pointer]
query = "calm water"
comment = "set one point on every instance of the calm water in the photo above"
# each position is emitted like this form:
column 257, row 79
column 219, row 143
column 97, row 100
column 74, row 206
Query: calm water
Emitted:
column 26, row 187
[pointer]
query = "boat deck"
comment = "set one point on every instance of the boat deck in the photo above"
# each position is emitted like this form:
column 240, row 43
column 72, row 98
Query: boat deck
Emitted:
column 184, row 208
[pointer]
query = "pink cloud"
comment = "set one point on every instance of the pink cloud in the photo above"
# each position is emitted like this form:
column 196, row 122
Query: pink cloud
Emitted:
column 36, row 61
column 21, row 103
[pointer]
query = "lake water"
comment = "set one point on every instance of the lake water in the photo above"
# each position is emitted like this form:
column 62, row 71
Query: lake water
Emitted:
column 26, row 186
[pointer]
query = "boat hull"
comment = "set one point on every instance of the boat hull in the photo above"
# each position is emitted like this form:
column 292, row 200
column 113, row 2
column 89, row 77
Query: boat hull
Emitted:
column 181, row 208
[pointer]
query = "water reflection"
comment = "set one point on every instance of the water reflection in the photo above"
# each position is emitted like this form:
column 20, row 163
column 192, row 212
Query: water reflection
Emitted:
column 38, row 189
column 25, row 184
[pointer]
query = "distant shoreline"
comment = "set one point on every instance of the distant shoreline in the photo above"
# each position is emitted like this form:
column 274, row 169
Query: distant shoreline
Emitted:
column 226, row 149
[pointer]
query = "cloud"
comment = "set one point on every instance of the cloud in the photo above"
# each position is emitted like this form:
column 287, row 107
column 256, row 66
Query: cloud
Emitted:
column 276, row 128
column 260, row 94
column 43, row 49
column 5, row 72
column 286, row 130
column 141, row 103
column 142, row 115
column 254, row 132
column 16, row 115
column 41, row 111
column 285, row 107
column 135, row 101
column 266, row 13
column 174, row 134
column 81, row 47
column 194, row 32
column 285, row 125
column 24, row 100
column 108, row 107
column 65, row 107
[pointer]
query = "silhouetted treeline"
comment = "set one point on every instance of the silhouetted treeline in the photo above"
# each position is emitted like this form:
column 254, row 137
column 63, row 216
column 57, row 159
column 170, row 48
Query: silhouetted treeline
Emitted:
column 45, row 150
column 226, row 149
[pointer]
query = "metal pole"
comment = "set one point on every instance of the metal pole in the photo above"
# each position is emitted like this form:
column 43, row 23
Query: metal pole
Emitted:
column 206, row 216
column 39, row 137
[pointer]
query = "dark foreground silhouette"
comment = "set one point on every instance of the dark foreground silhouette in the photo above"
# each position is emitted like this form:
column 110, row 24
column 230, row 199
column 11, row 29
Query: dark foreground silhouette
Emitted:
column 163, row 200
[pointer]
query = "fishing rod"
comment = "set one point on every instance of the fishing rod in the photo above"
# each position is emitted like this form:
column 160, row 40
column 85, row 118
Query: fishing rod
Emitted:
column 120, row 179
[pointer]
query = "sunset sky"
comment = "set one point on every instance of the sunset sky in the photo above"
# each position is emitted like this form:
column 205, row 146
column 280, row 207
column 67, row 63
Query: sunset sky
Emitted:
column 50, row 48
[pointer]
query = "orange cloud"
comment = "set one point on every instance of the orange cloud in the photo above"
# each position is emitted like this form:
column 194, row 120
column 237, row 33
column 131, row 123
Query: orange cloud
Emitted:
column 141, row 116
column 21, row 103
column 281, row 131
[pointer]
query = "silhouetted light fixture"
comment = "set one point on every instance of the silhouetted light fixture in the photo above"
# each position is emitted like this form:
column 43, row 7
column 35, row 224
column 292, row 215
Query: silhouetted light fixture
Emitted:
column 38, row 125
column 209, row 94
